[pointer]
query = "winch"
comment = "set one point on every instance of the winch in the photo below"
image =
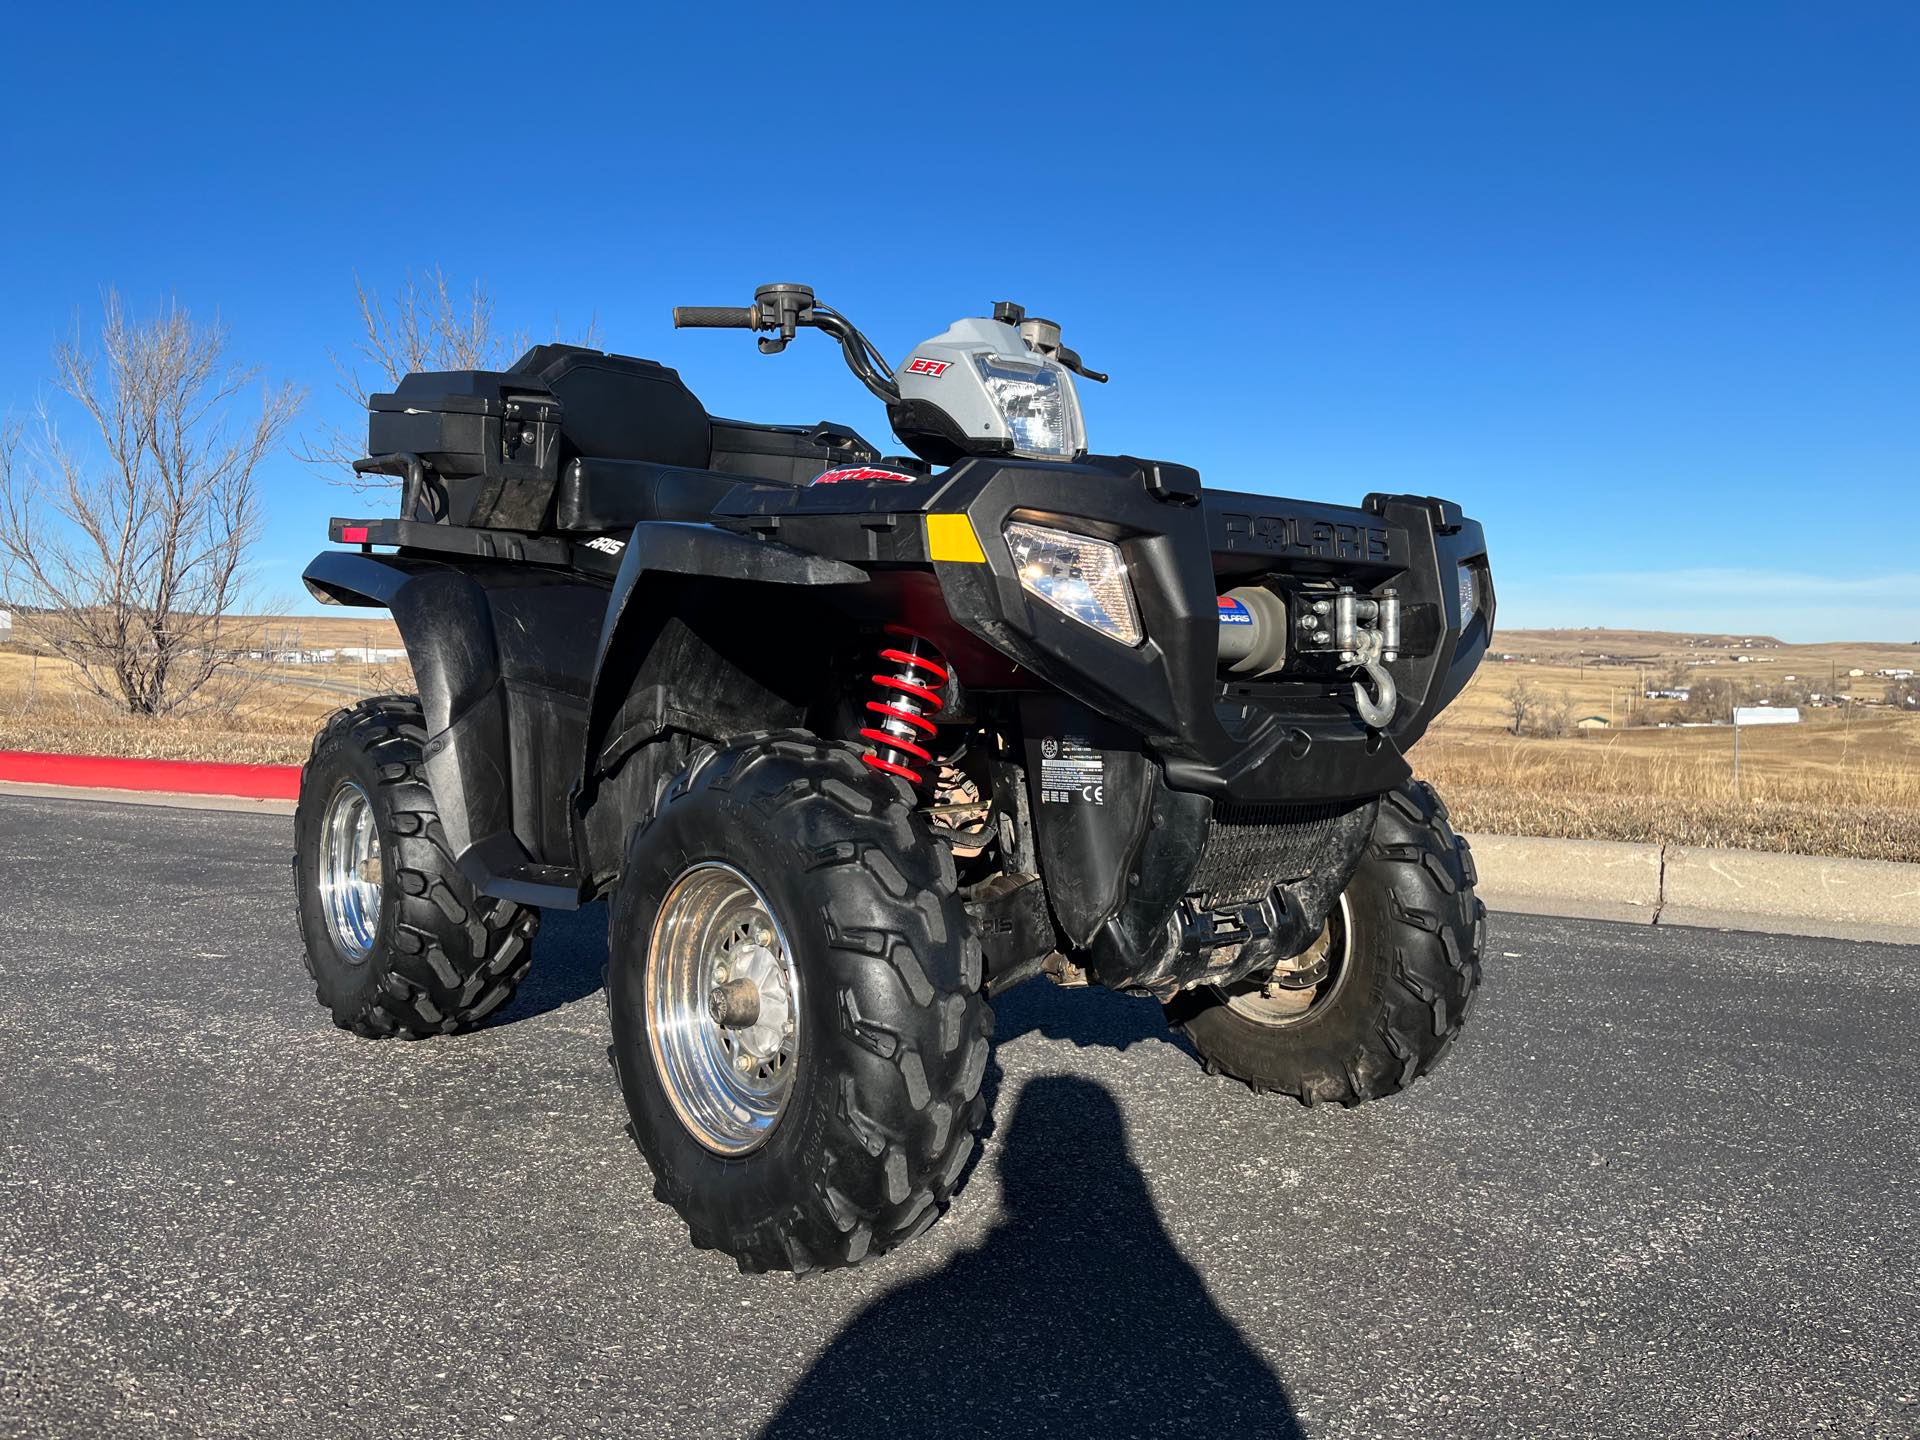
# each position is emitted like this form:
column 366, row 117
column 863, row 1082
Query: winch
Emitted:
column 1356, row 631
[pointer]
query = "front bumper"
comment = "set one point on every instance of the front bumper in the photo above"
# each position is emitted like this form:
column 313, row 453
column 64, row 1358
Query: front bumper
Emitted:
column 1269, row 741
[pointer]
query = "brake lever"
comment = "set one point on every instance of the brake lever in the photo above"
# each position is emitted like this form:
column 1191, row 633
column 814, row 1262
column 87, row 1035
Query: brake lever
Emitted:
column 1071, row 359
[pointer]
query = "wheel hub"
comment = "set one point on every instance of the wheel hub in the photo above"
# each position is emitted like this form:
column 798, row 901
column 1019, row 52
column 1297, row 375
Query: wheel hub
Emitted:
column 1302, row 984
column 722, row 1008
column 350, row 871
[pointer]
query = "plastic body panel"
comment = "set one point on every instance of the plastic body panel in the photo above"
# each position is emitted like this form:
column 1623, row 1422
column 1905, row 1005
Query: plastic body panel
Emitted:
column 541, row 682
column 1247, row 741
column 503, row 658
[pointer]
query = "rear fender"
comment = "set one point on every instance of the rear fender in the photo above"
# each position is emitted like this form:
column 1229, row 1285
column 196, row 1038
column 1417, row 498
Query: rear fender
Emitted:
column 502, row 658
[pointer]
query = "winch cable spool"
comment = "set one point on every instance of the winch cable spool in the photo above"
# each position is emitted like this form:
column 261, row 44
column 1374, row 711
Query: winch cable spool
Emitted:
column 909, row 697
column 1253, row 631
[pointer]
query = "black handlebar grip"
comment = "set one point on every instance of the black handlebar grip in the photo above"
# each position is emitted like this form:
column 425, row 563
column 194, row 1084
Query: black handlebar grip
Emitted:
column 713, row 317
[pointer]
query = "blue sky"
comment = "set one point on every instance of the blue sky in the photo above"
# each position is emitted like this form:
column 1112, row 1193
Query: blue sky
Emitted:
column 1638, row 284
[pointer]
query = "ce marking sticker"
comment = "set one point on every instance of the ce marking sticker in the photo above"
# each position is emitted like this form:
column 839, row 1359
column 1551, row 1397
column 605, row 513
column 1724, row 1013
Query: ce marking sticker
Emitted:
column 1072, row 772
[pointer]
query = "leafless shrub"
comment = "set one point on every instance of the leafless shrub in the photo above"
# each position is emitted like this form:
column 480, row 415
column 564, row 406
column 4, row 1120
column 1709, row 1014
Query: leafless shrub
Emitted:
column 131, row 566
column 1534, row 712
column 427, row 324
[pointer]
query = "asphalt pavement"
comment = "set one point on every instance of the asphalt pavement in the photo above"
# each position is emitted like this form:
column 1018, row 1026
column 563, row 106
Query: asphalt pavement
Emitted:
column 1665, row 1186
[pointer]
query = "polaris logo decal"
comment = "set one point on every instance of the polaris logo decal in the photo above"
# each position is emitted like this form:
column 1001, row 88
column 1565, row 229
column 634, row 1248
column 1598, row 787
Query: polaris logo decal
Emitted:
column 606, row 545
column 924, row 366
column 1294, row 535
column 1232, row 612
column 862, row 472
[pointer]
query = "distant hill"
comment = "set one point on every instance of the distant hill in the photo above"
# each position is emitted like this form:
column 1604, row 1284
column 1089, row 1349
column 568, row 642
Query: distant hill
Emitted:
column 1602, row 646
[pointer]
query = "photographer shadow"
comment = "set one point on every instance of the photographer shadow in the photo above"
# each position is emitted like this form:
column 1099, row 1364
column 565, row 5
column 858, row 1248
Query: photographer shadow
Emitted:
column 1075, row 1317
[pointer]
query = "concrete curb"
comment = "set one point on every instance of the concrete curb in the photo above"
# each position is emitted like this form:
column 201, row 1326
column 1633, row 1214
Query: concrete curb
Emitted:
column 237, row 804
column 1877, row 900
column 1643, row 884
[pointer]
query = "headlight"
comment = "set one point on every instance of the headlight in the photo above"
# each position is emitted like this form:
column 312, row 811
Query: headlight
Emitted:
column 1078, row 576
column 1036, row 402
column 1471, row 586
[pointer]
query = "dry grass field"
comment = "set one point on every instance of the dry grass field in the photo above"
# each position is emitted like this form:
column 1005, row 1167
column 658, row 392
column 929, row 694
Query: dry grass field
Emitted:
column 266, row 716
column 1844, row 782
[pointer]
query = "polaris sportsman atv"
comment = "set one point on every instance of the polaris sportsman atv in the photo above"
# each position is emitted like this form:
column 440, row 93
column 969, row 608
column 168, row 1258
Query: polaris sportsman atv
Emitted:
column 854, row 742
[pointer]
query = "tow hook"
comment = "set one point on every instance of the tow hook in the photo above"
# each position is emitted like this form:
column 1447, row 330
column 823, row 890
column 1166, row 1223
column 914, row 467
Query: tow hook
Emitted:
column 1376, row 709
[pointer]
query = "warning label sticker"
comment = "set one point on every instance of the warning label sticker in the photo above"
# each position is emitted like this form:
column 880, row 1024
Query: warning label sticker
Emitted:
column 1072, row 772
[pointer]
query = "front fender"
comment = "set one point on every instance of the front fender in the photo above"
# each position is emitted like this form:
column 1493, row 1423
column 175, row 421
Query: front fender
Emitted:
column 688, row 648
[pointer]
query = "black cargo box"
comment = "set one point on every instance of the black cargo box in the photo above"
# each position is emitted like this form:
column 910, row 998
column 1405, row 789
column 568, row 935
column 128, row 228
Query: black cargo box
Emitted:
column 490, row 440
column 494, row 442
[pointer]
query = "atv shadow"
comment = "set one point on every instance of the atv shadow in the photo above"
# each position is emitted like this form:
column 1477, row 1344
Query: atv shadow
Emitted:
column 1075, row 1317
column 1085, row 1017
column 569, row 964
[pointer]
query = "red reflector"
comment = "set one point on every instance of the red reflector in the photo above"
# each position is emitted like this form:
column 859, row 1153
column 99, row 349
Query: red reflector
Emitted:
column 354, row 534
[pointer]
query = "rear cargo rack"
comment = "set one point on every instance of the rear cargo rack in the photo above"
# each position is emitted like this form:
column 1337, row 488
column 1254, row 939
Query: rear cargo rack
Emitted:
column 599, row 556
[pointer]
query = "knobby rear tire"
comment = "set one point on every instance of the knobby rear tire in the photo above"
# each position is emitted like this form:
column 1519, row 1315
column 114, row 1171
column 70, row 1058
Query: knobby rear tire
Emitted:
column 443, row 957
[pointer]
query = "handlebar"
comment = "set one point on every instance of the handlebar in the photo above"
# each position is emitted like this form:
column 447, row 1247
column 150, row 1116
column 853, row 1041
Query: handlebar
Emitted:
column 713, row 317
column 782, row 310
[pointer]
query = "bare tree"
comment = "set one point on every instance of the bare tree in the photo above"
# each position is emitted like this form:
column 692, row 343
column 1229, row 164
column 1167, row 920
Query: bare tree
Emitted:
column 427, row 324
column 1523, row 703
column 132, row 566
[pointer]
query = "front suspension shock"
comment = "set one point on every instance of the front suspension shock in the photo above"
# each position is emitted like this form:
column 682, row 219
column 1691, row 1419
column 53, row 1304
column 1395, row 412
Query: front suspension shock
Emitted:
column 910, row 696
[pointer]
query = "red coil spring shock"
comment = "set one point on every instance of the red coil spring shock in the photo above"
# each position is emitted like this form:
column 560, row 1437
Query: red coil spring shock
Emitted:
column 909, row 697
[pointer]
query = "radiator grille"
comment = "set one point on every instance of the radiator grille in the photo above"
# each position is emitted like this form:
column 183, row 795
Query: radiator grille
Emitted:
column 1251, row 848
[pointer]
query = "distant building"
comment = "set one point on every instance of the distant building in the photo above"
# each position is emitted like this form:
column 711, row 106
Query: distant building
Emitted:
column 1592, row 722
column 1676, row 694
column 6, row 621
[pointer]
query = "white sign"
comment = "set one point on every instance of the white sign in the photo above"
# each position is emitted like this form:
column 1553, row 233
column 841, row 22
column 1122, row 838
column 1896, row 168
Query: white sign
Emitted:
column 1766, row 715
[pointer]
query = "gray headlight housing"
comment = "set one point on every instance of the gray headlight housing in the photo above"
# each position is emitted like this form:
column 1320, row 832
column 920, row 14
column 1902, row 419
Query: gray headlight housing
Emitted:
column 978, row 389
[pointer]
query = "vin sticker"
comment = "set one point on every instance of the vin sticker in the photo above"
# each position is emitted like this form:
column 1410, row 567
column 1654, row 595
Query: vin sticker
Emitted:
column 1072, row 772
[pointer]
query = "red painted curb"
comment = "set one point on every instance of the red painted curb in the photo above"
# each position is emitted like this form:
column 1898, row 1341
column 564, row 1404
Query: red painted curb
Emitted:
column 172, row 777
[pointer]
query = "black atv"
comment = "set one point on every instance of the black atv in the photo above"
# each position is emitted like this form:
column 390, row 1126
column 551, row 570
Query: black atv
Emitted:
column 854, row 742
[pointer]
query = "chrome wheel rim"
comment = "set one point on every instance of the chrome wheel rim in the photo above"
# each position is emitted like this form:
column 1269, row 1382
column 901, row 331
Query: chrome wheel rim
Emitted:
column 1266, row 1002
column 723, row 1008
column 350, row 871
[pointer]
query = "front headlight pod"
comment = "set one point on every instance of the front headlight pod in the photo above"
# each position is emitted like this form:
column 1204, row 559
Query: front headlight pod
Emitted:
column 1078, row 576
column 1037, row 403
